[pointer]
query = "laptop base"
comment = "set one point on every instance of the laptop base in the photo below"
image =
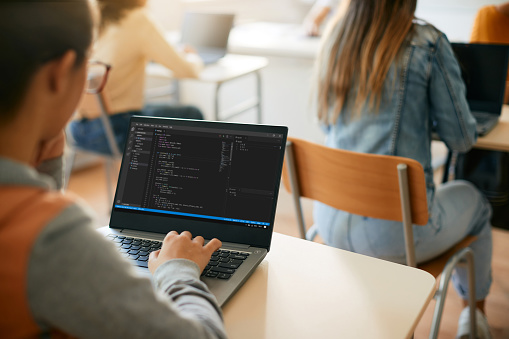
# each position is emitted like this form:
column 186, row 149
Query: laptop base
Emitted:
column 221, row 289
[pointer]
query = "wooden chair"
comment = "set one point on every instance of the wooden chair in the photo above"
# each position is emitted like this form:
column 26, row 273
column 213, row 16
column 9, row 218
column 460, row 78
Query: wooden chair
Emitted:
column 376, row 186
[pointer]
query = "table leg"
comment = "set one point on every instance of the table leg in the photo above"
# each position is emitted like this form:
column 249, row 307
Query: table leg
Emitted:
column 254, row 103
column 450, row 166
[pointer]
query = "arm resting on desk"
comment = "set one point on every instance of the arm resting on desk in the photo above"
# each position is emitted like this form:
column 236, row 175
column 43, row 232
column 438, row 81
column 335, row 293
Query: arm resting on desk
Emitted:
column 79, row 284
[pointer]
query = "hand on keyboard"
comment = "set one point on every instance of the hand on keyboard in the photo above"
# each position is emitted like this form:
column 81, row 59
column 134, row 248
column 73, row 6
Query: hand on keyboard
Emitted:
column 183, row 246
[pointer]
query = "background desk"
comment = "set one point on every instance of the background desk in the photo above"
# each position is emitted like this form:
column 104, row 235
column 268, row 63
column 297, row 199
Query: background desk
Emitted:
column 228, row 68
column 273, row 39
column 307, row 290
column 288, row 79
column 498, row 138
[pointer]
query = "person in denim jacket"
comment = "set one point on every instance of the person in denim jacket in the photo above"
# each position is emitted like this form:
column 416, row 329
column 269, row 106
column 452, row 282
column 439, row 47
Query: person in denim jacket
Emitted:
column 385, row 82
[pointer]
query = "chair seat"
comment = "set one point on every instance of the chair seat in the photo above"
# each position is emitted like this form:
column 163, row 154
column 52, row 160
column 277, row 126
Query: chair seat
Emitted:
column 436, row 266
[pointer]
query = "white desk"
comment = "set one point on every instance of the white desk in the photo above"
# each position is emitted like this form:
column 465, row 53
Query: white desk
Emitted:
column 273, row 39
column 307, row 290
column 288, row 79
column 498, row 138
column 226, row 69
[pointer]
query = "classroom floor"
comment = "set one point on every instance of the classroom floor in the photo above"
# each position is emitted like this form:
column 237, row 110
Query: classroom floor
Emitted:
column 89, row 183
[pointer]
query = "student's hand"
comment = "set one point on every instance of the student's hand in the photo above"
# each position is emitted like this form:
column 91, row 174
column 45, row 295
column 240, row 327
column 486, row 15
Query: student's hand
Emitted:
column 189, row 49
column 312, row 28
column 314, row 20
column 183, row 246
column 50, row 149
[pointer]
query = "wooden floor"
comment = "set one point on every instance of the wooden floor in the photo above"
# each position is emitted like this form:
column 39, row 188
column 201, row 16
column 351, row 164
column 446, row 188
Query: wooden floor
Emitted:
column 90, row 184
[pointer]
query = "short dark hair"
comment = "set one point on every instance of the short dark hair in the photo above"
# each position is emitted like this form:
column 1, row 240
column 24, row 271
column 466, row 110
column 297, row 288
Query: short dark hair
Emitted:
column 33, row 33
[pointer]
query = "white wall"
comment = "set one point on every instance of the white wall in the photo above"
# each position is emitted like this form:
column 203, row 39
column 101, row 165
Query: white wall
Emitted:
column 287, row 81
column 454, row 17
column 169, row 12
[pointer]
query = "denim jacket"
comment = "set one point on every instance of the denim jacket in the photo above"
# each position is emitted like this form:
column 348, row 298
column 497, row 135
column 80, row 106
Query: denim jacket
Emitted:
column 424, row 90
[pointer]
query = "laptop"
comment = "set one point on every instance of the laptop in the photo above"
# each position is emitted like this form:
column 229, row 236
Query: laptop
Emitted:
column 484, row 70
column 214, row 179
column 207, row 33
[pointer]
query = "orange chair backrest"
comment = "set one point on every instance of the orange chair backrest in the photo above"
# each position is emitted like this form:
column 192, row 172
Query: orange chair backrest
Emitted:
column 359, row 183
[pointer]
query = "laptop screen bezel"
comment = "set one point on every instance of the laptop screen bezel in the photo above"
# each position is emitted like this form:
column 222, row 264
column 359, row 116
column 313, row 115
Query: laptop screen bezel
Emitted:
column 152, row 222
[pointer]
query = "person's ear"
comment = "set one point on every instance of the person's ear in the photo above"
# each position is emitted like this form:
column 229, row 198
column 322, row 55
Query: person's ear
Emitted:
column 61, row 71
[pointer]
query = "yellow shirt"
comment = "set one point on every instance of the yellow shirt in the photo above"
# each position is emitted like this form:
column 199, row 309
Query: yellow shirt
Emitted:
column 128, row 46
column 490, row 26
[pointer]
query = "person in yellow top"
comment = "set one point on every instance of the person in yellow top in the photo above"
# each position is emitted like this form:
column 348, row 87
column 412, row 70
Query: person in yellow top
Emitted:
column 491, row 25
column 128, row 39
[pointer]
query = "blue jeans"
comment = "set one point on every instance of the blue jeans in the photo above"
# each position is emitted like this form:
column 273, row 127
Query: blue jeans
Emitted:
column 458, row 210
column 89, row 134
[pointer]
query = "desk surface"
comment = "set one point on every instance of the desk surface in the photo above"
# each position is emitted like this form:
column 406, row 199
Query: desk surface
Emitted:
column 498, row 138
column 307, row 290
column 232, row 66
column 273, row 39
column 229, row 67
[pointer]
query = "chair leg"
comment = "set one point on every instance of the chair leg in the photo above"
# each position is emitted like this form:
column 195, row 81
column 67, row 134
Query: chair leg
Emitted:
column 300, row 217
column 472, row 300
column 467, row 254
column 294, row 184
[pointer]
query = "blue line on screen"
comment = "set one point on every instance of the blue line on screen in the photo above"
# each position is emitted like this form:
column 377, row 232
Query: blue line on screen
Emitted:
column 193, row 215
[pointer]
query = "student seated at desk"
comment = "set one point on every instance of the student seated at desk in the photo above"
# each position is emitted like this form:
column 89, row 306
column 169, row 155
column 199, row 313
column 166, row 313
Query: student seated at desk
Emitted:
column 128, row 39
column 60, row 276
column 383, row 80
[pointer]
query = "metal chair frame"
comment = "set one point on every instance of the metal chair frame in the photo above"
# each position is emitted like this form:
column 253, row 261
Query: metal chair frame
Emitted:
column 464, row 254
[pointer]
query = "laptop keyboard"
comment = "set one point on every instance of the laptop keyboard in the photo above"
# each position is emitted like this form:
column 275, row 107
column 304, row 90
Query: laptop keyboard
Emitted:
column 135, row 249
column 222, row 264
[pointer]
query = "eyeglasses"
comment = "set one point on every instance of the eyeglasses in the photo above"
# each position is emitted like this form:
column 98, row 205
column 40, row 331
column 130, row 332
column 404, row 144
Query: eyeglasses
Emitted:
column 97, row 74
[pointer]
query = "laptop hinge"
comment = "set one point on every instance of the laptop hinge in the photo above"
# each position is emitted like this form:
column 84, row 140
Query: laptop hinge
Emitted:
column 141, row 234
column 234, row 245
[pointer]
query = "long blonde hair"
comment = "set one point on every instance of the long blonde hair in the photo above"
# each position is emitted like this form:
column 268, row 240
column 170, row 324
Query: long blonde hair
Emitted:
column 359, row 46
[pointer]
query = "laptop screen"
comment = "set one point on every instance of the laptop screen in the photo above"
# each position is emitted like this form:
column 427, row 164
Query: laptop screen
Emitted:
column 484, row 70
column 206, row 31
column 208, row 172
